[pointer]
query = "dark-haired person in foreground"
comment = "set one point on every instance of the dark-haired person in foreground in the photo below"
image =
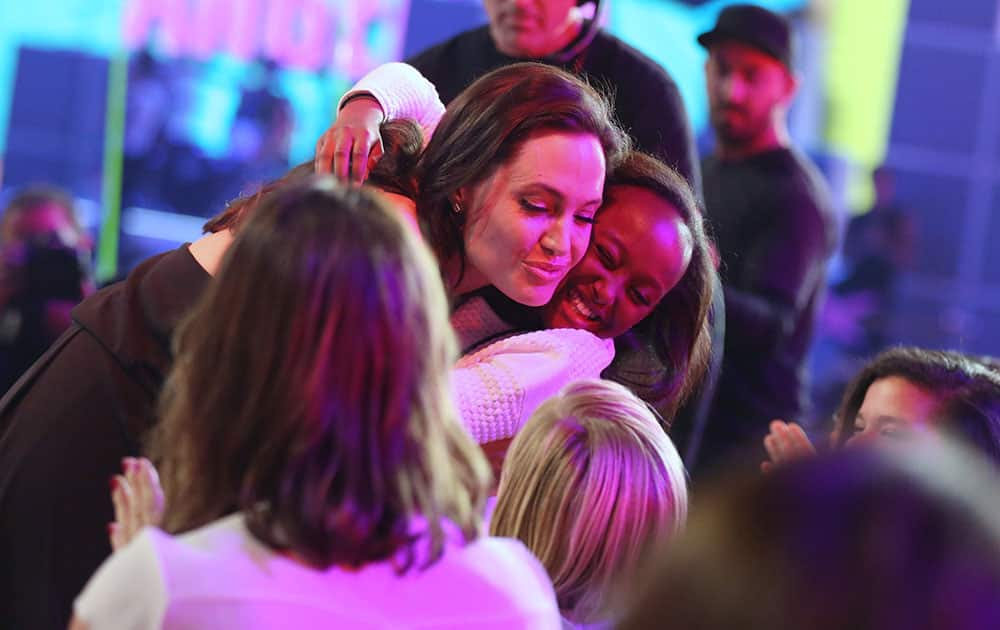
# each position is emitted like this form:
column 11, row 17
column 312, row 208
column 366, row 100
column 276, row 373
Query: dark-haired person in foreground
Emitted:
column 864, row 539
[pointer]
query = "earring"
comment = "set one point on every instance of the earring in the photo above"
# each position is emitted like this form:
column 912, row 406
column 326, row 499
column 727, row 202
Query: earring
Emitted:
column 456, row 207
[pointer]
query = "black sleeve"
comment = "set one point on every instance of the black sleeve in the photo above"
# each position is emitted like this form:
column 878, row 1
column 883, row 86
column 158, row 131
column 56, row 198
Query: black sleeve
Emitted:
column 661, row 127
column 425, row 60
column 649, row 105
column 776, row 278
column 452, row 65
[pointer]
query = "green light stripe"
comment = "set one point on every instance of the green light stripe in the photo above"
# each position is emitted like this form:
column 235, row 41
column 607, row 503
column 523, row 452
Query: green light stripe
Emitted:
column 111, row 181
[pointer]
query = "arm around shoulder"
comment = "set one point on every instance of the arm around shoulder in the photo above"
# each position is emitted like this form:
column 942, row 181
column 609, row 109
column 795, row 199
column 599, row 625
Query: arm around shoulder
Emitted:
column 498, row 387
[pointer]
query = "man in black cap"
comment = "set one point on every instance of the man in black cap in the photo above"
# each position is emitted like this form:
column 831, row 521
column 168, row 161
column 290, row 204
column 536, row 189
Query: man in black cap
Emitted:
column 774, row 228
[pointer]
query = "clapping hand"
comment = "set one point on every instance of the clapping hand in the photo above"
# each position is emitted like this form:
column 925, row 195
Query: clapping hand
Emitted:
column 138, row 500
column 786, row 442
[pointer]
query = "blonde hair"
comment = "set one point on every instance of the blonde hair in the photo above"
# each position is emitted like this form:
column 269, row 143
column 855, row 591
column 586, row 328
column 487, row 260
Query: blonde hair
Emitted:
column 589, row 484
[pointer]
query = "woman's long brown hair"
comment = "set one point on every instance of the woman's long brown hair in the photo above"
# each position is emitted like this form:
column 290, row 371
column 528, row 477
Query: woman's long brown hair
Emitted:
column 310, row 389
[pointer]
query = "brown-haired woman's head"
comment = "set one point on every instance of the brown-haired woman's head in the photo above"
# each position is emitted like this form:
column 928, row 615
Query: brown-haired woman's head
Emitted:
column 647, row 281
column 905, row 537
column 310, row 389
column 510, row 182
column 908, row 390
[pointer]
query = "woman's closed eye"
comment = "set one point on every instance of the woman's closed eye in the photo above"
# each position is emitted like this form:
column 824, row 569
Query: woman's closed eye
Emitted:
column 533, row 205
column 894, row 430
column 639, row 297
column 605, row 256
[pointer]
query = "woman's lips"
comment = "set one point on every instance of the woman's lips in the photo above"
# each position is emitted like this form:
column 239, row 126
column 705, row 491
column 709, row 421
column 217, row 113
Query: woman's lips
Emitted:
column 545, row 271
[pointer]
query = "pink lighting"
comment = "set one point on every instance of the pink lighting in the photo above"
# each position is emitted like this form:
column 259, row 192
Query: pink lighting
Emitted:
column 314, row 35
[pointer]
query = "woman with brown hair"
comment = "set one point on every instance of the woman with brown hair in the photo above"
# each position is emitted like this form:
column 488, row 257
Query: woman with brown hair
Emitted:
column 316, row 481
column 634, row 310
column 645, row 282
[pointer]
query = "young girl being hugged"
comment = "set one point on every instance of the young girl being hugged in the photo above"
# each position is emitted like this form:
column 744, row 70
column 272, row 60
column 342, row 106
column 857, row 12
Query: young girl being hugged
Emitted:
column 591, row 483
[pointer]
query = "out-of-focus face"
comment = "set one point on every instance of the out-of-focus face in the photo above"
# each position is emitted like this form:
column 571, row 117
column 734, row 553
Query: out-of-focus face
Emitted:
column 529, row 222
column 531, row 28
column 745, row 86
column 639, row 252
column 893, row 408
column 49, row 221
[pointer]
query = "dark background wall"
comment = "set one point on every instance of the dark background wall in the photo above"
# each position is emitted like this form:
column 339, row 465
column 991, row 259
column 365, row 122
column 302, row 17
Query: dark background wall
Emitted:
column 945, row 147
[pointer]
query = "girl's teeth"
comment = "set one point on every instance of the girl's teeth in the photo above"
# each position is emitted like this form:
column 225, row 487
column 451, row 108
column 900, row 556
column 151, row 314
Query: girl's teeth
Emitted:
column 582, row 308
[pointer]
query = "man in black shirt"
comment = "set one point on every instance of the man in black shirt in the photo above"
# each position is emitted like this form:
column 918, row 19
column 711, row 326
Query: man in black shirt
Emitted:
column 773, row 225
column 645, row 98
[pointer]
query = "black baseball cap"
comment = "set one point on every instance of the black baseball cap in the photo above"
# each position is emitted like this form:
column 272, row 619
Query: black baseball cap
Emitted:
column 754, row 26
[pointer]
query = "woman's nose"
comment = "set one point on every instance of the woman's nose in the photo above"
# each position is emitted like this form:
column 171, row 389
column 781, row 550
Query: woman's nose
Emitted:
column 556, row 240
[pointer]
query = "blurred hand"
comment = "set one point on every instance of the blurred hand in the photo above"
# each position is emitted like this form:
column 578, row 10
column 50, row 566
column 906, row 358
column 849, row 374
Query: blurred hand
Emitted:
column 138, row 500
column 786, row 442
column 344, row 149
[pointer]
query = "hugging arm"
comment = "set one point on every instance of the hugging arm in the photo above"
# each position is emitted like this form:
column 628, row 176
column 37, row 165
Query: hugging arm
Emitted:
column 499, row 386
column 389, row 92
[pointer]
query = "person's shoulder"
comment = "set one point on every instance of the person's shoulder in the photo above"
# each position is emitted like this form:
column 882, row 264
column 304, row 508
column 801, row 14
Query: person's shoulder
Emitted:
column 510, row 553
column 805, row 177
column 128, row 590
column 509, row 562
column 609, row 51
column 471, row 40
column 794, row 182
column 227, row 533
column 789, row 169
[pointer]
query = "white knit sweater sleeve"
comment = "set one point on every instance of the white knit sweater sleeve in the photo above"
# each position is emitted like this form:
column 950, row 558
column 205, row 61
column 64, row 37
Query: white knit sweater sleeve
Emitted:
column 499, row 386
column 403, row 93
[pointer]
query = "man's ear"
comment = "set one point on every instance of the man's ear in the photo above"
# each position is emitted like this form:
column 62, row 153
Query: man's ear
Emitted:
column 791, row 86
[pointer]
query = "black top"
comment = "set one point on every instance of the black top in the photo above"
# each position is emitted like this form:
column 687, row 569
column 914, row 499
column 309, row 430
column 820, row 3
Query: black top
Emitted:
column 66, row 425
column 775, row 231
column 645, row 98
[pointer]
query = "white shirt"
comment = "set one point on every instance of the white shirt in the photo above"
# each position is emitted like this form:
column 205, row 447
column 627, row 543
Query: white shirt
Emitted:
column 220, row 576
column 497, row 386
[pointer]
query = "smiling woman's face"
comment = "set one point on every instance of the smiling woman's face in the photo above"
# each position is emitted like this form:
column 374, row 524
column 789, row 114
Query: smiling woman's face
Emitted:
column 530, row 221
column 639, row 252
